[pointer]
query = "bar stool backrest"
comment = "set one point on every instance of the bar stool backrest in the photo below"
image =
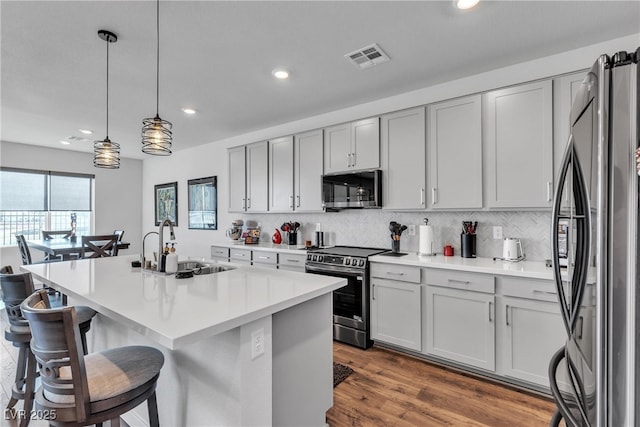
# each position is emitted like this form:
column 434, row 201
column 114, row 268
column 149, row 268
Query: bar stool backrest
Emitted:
column 15, row 289
column 24, row 249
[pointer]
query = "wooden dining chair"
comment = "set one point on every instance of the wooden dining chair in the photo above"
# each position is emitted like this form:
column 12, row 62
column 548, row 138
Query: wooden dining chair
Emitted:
column 15, row 289
column 99, row 246
column 87, row 389
column 119, row 233
column 51, row 234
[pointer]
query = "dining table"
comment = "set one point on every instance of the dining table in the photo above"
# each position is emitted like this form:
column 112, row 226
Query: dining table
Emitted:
column 65, row 248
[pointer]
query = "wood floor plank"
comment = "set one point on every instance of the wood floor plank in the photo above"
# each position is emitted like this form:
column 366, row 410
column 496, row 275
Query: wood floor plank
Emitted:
column 388, row 388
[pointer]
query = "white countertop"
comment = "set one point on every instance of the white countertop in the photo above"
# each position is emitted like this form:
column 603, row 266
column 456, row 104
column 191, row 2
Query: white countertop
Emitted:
column 262, row 246
column 175, row 312
column 530, row 269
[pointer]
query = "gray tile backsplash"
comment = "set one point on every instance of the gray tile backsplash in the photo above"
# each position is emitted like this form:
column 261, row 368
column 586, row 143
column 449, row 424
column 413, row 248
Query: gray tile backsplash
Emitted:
column 369, row 227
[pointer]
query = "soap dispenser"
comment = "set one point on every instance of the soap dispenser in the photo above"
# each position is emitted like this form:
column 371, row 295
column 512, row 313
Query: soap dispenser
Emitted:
column 172, row 260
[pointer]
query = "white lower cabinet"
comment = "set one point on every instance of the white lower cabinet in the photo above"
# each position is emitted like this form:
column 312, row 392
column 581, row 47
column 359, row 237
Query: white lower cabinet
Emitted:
column 396, row 305
column 461, row 326
column 532, row 333
column 396, row 313
column 292, row 262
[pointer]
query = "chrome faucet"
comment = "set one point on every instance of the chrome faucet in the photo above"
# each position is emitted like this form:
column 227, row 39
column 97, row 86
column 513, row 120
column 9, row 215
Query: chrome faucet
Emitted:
column 143, row 239
column 160, row 239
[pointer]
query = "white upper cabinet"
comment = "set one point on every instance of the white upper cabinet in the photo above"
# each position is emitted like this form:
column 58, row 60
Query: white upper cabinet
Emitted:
column 308, row 171
column 281, row 174
column 237, row 179
column 403, row 159
column 455, row 154
column 257, row 177
column 352, row 146
column 519, row 146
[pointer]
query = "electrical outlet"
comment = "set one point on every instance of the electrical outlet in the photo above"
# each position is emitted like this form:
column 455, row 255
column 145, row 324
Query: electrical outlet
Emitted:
column 497, row 232
column 412, row 230
column 257, row 343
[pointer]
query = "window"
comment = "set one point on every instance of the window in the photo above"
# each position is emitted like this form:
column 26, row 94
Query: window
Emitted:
column 32, row 201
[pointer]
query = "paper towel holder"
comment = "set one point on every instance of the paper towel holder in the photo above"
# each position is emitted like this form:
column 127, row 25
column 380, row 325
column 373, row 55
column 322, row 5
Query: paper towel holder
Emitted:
column 426, row 244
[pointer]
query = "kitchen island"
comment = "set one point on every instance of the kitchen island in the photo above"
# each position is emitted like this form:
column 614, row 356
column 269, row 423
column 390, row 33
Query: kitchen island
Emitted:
column 246, row 346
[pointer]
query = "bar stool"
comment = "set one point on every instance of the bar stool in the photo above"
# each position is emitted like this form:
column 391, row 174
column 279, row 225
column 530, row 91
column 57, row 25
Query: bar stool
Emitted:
column 15, row 288
column 87, row 389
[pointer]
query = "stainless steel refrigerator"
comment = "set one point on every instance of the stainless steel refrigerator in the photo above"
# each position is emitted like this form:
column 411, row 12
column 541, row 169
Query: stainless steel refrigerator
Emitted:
column 595, row 376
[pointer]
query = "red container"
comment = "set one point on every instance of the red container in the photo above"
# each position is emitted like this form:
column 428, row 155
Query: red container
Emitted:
column 448, row 250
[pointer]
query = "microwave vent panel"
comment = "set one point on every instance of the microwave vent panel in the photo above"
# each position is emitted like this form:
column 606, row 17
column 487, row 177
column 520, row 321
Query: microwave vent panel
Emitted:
column 367, row 57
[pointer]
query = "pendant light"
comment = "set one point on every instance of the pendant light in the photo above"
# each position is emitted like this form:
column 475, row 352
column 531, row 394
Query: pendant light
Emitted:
column 106, row 152
column 156, row 133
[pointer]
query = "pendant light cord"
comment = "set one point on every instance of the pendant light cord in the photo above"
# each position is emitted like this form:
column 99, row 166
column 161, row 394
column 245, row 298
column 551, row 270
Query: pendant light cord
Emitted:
column 108, row 42
column 157, row 57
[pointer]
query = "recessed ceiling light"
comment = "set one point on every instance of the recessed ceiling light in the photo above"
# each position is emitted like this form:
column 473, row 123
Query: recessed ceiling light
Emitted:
column 280, row 73
column 466, row 4
column 65, row 142
column 86, row 131
column 188, row 110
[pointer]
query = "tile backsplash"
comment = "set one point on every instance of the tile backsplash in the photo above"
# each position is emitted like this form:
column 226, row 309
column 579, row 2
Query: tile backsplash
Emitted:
column 370, row 227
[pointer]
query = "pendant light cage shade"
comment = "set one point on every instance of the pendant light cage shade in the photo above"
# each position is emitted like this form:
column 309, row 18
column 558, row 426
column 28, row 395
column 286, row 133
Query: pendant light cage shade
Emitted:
column 106, row 154
column 156, row 136
column 156, row 133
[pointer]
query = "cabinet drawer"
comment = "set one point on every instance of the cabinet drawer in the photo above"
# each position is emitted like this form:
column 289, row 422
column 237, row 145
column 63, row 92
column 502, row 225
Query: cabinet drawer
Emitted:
column 265, row 257
column 292, row 260
column 219, row 252
column 396, row 272
column 240, row 254
column 461, row 280
column 542, row 290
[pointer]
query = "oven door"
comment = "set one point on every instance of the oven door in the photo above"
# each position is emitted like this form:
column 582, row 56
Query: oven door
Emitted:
column 349, row 302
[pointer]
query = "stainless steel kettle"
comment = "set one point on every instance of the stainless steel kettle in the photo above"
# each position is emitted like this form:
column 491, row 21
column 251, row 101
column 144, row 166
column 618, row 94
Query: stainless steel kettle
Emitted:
column 512, row 249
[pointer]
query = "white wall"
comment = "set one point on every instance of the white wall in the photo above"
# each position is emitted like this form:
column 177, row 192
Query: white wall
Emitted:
column 118, row 192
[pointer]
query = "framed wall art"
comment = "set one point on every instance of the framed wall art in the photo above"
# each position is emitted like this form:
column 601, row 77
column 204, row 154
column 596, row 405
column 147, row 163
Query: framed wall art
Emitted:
column 203, row 203
column 166, row 202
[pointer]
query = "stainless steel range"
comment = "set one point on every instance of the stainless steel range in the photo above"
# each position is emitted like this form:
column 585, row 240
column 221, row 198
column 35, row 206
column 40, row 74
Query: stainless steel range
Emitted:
column 350, row 303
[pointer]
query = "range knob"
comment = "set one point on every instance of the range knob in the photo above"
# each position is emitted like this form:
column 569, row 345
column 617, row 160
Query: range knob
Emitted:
column 320, row 258
column 361, row 263
column 308, row 257
column 348, row 261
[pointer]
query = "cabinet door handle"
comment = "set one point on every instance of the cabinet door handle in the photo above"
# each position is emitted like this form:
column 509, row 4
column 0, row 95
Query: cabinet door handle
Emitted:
column 434, row 200
column 581, row 319
column 538, row 291
column 293, row 260
column 373, row 292
column 348, row 160
column 353, row 159
column 422, row 196
column 490, row 311
column 391, row 273
column 549, row 190
column 507, row 313
column 291, row 202
column 248, row 203
column 298, row 201
column 464, row 282
column 244, row 203
column 264, row 257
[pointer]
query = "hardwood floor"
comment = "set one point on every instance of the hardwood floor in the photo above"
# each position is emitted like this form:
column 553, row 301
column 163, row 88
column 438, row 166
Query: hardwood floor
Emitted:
column 388, row 389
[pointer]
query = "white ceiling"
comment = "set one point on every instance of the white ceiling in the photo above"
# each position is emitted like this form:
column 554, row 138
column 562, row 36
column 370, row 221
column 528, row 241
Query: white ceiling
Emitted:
column 217, row 57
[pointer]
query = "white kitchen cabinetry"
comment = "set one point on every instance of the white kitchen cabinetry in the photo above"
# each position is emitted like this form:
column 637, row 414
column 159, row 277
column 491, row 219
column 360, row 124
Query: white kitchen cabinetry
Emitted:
column 460, row 317
column 237, row 179
column 532, row 329
column 455, row 153
column 281, row 174
column 307, row 167
column 248, row 178
column 403, row 156
column 266, row 259
column 240, row 255
column 292, row 262
column 352, row 146
column 220, row 253
column 396, row 306
column 519, row 146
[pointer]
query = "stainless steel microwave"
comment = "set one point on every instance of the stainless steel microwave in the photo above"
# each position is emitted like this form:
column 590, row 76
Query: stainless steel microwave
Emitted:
column 353, row 190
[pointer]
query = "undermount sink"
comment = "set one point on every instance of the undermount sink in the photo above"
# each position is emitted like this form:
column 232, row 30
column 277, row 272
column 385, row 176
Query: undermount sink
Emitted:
column 198, row 267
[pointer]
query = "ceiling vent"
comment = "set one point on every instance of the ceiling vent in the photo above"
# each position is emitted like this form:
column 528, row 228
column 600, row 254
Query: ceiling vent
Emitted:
column 367, row 57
